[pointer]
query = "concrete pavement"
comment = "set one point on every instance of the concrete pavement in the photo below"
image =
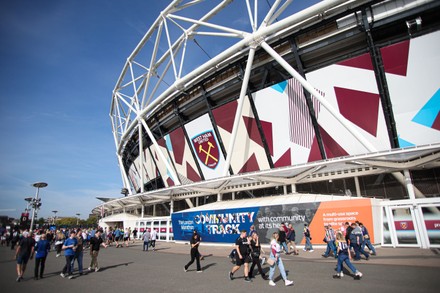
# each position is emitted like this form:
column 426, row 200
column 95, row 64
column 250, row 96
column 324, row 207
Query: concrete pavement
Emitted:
column 130, row 269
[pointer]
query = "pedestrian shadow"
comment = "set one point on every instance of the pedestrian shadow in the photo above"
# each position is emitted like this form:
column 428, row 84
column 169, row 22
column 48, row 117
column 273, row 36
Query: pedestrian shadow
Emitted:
column 207, row 266
column 159, row 249
column 102, row 269
column 205, row 256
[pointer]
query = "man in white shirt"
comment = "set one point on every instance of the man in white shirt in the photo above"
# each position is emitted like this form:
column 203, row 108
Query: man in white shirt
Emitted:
column 153, row 237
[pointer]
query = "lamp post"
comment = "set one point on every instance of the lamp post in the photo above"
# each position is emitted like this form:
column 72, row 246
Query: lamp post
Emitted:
column 54, row 216
column 29, row 202
column 77, row 218
column 36, row 201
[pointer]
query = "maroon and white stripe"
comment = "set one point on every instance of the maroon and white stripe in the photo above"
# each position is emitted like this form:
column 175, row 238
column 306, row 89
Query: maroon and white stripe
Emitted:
column 300, row 124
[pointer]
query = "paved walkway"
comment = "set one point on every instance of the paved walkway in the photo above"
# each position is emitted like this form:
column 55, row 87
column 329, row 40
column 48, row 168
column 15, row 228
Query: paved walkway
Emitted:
column 130, row 269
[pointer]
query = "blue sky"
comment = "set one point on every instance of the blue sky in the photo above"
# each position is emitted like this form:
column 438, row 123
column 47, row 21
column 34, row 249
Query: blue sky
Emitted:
column 59, row 62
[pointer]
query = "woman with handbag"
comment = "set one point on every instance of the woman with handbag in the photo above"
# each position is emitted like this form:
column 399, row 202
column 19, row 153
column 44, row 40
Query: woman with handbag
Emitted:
column 255, row 255
column 275, row 260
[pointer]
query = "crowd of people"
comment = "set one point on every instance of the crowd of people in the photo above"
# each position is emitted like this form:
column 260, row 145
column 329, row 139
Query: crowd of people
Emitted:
column 345, row 244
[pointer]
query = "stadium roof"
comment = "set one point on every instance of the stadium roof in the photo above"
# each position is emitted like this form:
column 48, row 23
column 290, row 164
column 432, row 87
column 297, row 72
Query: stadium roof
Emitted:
column 392, row 161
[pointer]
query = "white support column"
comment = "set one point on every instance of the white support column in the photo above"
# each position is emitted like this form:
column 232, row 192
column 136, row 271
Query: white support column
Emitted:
column 219, row 196
column 293, row 188
column 142, row 211
column 154, row 210
column 171, row 206
column 358, row 186
column 409, row 184
column 307, row 86
column 244, row 87
column 141, row 154
column 124, row 175
column 233, row 195
column 285, row 189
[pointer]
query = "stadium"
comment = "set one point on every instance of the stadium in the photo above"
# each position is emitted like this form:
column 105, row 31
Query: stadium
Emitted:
column 233, row 113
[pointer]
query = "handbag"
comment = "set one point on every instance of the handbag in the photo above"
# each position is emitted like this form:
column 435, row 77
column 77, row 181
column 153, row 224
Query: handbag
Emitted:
column 271, row 261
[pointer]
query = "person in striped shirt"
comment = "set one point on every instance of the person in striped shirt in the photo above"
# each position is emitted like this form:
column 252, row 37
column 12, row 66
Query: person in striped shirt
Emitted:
column 344, row 255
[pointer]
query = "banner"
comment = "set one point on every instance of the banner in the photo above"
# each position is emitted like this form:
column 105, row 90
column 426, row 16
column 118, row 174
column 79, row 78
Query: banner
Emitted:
column 225, row 225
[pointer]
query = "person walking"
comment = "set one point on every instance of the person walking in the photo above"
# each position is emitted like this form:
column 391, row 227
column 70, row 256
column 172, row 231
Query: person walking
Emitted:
column 255, row 255
column 42, row 249
column 308, row 246
column 330, row 238
column 290, row 238
column 367, row 241
column 146, row 239
column 95, row 243
column 276, row 260
column 344, row 256
column 282, row 238
column 69, row 248
column 24, row 251
column 153, row 237
column 135, row 233
column 356, row 240
column 242, row 256
column 79, row 252
column 59, row 240
column 195, row 255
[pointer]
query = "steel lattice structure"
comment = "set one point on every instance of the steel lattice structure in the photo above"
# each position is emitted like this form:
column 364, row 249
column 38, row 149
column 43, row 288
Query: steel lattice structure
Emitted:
column 150, row 78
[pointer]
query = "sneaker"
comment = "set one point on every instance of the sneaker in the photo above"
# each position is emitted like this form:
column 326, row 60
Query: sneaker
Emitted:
column 231, row 276
column 337, row 276
column 18, row 279
column 96, row 269
column 184, row 269
column 200, row 271
column 265, row 277
column 358, row 275
column 288, row 283
column 311, row 250
column 247, row 279
column 62, row 275
column 304, row 249
column 272, row 283
column 341, row 274
column 58, row 255
column 70, row 277
column 89, row 269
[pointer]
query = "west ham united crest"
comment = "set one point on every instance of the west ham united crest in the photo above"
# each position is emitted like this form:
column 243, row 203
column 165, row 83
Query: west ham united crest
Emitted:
column 206, row 149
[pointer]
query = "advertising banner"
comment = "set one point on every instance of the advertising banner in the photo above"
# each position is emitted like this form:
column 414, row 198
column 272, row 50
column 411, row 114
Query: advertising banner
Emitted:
column 225, row 225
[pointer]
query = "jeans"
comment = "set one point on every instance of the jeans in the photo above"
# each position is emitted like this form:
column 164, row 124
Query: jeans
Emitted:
column 68, row 266
column 280, row 265
column 308, row 244
column 343, row 257
column 39, row 267
column 284, row 246
column 370, row 246
column 145, row 247
column 357, row 250
column 79, row 259
column 331, row 246
column 256, row 261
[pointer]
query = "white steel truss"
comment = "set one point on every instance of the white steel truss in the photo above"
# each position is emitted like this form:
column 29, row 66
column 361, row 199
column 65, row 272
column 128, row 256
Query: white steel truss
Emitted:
column 166, row 62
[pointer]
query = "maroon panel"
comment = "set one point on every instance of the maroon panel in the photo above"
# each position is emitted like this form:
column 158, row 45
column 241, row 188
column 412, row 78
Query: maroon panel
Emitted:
column 361, row 108
column 191, row 174
column 224, row 116
column 250, row 165
column 170, row 181
column 284, row 160
column 267, row 130
column 363, row 61
column 315, row 153
column 436, row 124
column 178, row 143
column 252, row 129
column 162, row 143
column 332, row 148
column 395, row 58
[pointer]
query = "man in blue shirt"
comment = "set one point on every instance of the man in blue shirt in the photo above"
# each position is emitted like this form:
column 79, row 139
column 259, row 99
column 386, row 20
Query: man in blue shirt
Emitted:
column 69, row 248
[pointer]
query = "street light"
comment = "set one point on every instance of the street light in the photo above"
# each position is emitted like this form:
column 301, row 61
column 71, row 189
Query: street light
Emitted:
column 29, row 202
column 77, row 219
column 36, row 201
column 54, row 216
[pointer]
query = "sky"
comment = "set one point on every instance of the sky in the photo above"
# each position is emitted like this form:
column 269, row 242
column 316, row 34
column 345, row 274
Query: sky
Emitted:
column 59, row 62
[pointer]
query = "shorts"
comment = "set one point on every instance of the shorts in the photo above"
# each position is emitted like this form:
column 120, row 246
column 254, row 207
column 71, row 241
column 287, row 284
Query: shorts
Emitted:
column 22, row 259
column 117, row 238
column 125, row 238
column 240, row 261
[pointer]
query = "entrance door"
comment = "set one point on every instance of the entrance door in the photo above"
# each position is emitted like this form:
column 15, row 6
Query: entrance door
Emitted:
column 404, row 226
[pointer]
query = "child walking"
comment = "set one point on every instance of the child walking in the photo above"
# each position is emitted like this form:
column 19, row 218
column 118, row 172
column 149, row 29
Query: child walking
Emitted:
column 344, row 255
